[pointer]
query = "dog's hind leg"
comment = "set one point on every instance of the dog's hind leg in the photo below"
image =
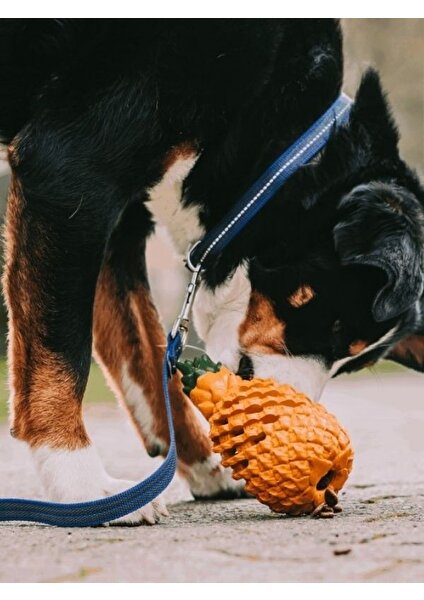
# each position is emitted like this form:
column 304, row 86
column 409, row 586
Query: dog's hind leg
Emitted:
column 129, row 344
column 54, row 249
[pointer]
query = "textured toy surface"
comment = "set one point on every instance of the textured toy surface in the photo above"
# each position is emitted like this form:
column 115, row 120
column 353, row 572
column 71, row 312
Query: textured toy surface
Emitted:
column 292, row 453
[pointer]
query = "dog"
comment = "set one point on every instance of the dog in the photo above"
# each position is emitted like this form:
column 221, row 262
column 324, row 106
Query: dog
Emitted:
column 114, row 126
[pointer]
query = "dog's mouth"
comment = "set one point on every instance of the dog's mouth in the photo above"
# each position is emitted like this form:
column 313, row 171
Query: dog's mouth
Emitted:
column 245, row 369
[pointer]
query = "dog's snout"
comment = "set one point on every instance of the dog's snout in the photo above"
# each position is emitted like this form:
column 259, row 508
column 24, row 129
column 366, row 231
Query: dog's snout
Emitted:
column 245, row 369
column 305, row 374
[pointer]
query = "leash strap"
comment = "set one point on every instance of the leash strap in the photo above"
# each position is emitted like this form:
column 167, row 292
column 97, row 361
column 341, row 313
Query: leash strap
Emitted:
column 264, row 188
column 96, row 512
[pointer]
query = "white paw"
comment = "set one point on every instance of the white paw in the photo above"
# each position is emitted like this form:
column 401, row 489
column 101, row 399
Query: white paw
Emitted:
column 148, row 515
column 78, row 476
column 209, row 479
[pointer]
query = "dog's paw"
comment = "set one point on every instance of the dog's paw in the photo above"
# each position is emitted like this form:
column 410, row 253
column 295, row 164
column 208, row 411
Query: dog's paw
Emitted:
column 79, row 476
column 210, row 480
column 147, row 515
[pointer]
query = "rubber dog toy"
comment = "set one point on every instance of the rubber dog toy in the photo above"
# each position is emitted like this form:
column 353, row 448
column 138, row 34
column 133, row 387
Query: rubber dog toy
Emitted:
column 292, row 453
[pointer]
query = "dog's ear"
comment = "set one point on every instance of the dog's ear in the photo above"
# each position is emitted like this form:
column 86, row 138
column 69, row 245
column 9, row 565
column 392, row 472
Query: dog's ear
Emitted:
column 409, row 352
column 371, row 121
column 382, row 226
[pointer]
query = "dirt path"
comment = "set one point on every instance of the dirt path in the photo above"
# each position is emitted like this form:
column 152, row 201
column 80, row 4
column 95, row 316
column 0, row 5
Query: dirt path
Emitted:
column 378, row 537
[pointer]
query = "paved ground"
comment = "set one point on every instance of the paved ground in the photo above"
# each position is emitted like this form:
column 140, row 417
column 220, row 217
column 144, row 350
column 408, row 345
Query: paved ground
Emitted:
column 378, row 537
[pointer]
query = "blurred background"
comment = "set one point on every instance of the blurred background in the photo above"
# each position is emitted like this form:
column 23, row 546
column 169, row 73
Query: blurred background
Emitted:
column 396, row 48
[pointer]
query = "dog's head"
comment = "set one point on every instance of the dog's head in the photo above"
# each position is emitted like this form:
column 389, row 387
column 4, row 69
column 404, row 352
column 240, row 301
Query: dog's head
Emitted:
column 341, row 284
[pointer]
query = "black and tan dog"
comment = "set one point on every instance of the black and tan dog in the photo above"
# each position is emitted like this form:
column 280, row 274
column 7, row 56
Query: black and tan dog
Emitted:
column 113, row 126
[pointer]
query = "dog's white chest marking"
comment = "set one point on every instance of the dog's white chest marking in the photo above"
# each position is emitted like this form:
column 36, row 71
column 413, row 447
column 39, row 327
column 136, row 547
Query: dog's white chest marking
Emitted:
column 307, row 375
column 167, row 209
column 218, row 314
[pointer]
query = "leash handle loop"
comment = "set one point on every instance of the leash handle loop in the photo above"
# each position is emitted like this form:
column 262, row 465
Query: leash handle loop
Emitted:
column 97, row 512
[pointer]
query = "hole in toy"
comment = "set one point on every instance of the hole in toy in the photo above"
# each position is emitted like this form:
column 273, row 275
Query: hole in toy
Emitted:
column 229, row 453
column 254, row 408
column 222, row 421
column 258, row 438
column 325, row 480
column 269, row 419
column 243, row 464
column 237, row 431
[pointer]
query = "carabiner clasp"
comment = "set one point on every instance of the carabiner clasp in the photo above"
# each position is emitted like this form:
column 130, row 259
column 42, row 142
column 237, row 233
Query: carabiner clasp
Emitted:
column 182, row 322
column 189, row 264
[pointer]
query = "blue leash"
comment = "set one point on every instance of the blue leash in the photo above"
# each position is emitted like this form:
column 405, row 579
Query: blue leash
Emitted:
column 96, row 512
column 268, row 184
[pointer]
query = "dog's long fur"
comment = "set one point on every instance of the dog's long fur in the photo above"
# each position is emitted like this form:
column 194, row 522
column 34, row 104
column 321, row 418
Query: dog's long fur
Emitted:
column 112, row 126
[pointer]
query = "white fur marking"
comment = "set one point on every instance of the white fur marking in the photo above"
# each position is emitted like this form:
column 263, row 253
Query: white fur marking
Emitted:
column 71, row 475
column 339, row 363
column 308, row 375
column 418, row 312
column 166, row 206
column 218, row 314
column 79, row 475
column 208, row 478
column 141, row 411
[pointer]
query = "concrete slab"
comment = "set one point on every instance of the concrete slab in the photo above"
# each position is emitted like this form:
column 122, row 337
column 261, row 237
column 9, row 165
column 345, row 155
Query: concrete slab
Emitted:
column 378, row 537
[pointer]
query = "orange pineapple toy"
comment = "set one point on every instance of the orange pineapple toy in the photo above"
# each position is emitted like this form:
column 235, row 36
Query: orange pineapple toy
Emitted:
column 292, row 453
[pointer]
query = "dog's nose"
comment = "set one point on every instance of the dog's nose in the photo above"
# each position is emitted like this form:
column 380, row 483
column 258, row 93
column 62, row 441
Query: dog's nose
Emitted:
column 245, row 369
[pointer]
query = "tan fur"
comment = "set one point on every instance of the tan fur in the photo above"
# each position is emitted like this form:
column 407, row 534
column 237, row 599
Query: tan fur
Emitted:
column 45, row 408
column 262, row 331
column 12, row 154
column 410, row 346
column 369, row 364
column 51, row 414
column 357, row 347
column 184, row 150
column 301, row 296
column 394, row 204
column 129, row 331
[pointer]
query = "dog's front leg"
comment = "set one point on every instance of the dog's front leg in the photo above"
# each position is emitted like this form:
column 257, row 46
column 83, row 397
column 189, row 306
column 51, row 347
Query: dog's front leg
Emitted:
column 129, row 344
column 51, row 270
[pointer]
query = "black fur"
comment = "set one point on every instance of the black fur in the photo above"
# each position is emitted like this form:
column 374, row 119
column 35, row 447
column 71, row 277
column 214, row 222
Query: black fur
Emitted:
column 91, row 109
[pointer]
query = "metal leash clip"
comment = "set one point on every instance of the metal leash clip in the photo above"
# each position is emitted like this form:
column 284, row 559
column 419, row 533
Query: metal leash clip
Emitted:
column 182, row 322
